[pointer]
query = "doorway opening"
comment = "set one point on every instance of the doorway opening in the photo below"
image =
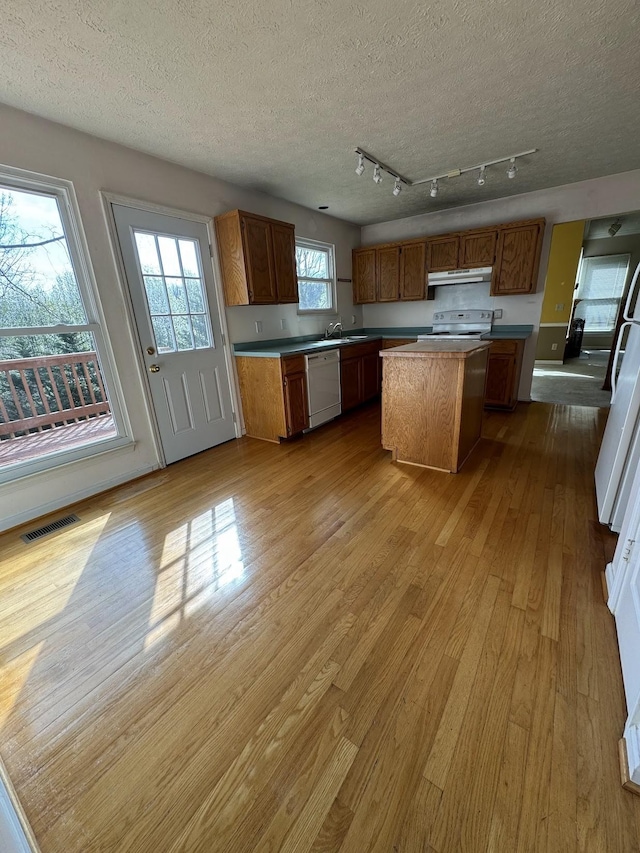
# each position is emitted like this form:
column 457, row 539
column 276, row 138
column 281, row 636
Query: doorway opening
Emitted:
column 591, row 268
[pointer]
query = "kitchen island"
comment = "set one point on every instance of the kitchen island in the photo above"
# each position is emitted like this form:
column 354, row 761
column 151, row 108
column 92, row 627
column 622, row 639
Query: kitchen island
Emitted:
column 432, row 401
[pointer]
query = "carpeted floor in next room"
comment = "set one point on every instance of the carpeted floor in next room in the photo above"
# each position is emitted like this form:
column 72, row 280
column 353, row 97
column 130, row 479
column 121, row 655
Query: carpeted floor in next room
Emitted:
column 577, row 382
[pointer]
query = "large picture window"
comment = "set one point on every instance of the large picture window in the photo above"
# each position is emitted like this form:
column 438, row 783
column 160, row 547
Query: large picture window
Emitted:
column 601, row 282
column 55, row 398
column 316, row 277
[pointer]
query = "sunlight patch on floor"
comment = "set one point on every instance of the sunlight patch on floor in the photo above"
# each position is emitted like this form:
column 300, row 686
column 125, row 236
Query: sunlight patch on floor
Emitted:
column 14, row 677
column 198, row 558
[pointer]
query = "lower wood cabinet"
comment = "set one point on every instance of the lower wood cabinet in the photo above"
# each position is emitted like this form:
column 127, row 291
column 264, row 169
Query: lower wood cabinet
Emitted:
column 274, row 396
column 503, row 374
column 360, row 372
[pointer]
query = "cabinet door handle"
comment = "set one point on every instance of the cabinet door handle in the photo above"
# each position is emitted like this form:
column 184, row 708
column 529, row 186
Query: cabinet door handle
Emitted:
column 285, row 382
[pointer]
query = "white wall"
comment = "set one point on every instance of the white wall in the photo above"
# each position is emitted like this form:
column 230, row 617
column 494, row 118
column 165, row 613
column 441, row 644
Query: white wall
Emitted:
column 606, row 196
column 32, row 143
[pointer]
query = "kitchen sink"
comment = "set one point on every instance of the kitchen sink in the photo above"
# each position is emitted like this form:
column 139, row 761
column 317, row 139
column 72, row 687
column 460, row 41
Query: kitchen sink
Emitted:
column 354, row 338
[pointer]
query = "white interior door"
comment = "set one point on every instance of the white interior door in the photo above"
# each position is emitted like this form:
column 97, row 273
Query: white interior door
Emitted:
column 177, row 316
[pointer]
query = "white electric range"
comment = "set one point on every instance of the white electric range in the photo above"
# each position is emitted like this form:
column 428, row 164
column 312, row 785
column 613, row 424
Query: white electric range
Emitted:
column 466, row 324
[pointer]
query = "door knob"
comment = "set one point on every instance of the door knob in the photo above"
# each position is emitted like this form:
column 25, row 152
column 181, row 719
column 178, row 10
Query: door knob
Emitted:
column 154, row 368
column 151, row 351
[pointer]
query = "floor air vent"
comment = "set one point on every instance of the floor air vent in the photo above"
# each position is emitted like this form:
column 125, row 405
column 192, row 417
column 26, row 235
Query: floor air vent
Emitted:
column 39, row 532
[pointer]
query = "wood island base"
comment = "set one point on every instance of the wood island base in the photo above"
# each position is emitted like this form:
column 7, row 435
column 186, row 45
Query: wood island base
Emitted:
column 432, row 402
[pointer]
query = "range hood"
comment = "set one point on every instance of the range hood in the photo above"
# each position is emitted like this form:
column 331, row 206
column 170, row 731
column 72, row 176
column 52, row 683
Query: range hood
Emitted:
column 459, row 276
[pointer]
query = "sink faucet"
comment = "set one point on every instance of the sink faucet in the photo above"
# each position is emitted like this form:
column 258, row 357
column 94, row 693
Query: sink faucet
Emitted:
column 332, row 329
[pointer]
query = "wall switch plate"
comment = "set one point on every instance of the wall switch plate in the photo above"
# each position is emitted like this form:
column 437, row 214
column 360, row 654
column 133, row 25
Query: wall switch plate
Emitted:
column 353, row 319
column 554, row 347
column 283, row 324
column 497, row 314
column 258, row 326
column 560, row 306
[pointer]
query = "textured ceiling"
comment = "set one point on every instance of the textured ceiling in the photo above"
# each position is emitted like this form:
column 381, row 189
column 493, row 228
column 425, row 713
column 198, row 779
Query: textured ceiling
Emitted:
column 275, row 95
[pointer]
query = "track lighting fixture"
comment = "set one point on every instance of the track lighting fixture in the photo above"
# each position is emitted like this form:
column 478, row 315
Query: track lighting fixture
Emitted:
column 481, row 168
column 614, row 228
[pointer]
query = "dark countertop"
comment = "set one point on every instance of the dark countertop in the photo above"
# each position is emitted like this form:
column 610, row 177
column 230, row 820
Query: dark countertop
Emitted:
column 436, row 349
column 311, row 343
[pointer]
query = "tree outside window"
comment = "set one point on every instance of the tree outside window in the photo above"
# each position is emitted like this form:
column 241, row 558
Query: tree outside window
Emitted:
column 316, row 277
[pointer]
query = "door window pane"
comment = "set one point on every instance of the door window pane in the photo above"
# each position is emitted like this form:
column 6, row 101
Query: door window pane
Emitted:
column 194, row 292
column 182, row 327
column 189, row 258
column 163, row 333
column 200, row 330
column 147, row 253
column 175, row 297
column 156, row 295
column 169, row 256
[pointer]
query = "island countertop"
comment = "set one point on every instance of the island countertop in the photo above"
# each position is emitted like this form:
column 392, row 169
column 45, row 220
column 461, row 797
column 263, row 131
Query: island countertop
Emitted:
column 437, row 349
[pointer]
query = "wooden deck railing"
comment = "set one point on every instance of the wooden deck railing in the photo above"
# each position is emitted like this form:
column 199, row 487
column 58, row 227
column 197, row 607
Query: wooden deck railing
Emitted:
column 42, row 393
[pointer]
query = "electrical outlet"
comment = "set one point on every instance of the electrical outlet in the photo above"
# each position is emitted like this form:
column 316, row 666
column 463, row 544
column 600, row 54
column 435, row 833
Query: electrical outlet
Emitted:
column 258, row 326
column 283, row 324
column 554, row 347
column 560, row 306
column 497, row 314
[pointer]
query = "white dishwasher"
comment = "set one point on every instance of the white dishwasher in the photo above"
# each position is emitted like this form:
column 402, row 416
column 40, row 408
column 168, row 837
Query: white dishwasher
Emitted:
column 323, row 386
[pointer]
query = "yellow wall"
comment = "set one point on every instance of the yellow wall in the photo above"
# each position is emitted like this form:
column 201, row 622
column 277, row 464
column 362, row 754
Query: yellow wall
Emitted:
column 564, row 255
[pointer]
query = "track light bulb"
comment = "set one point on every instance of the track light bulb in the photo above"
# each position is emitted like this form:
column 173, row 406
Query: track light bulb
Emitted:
column 360, row 166
column 511, row 171
column 481, row 178
column 397, row 187
column 433, row 192
column 377, row 177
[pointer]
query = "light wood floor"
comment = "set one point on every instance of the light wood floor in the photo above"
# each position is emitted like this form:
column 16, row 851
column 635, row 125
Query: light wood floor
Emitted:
column 307, row 647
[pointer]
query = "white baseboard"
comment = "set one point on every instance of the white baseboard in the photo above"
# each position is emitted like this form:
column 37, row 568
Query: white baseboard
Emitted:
column 16, row 836
column 631, row 738
column 66, row 500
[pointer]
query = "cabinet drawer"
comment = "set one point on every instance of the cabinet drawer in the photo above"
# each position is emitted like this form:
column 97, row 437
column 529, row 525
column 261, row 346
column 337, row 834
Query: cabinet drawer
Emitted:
column 389, row 343
column 358, row 350
column 293, row 364
column 504, row 347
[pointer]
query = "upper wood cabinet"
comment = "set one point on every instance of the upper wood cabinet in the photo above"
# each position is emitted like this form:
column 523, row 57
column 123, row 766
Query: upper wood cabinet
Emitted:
column 477, row 249
column 517, row 258
column 396, row 271
column 413, row 271
column 442, row 253
column 389, row 273
column 257, row 258
column 284, row 261
column 364, row 276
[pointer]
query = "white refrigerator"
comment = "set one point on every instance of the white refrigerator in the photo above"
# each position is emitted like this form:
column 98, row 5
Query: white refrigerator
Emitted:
column 619, row 456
